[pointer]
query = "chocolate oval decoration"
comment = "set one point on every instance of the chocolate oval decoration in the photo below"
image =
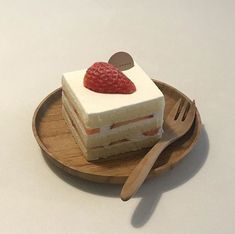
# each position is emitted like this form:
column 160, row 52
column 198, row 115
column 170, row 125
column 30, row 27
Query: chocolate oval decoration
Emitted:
column 122, row 60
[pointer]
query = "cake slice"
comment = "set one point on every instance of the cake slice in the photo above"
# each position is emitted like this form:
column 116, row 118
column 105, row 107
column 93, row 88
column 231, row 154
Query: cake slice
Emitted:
column 106, row 124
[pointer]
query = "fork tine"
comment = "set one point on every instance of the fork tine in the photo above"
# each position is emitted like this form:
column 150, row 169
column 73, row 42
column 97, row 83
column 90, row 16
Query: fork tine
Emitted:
column 184, row 110
column 191, row 112
column 174, row 110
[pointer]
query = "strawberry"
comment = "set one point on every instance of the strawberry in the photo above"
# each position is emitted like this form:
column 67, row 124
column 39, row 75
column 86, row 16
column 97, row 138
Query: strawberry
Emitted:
column 103, row 77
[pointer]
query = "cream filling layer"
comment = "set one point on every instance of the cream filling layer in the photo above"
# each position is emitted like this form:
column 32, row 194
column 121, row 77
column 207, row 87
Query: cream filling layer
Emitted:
column 111, row 128
column 135, row 138
column 104, row 152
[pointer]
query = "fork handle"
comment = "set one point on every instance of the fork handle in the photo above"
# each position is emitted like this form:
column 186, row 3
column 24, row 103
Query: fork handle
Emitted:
column 141, row 171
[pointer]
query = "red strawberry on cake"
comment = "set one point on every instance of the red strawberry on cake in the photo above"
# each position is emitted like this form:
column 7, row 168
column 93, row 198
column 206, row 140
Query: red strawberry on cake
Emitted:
column 103, row 77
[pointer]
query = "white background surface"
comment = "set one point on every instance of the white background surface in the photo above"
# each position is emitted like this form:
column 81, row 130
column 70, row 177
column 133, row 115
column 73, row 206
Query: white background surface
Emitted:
column 188, row 44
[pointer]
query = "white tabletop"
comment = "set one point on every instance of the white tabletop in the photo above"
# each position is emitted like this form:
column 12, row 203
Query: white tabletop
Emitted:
column 187, row 44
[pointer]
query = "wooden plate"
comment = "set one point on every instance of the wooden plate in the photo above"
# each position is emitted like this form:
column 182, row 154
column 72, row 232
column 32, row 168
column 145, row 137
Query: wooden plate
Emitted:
column 55, row 139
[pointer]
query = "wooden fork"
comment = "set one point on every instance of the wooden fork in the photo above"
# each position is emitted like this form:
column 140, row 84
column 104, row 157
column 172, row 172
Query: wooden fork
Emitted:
column 177, row 123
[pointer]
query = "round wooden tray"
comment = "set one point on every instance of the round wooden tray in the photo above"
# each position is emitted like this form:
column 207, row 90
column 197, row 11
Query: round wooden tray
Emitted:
column 55, row 139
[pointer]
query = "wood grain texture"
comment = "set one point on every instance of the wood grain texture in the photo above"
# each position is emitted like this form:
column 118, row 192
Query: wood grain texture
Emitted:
column 58, row 144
